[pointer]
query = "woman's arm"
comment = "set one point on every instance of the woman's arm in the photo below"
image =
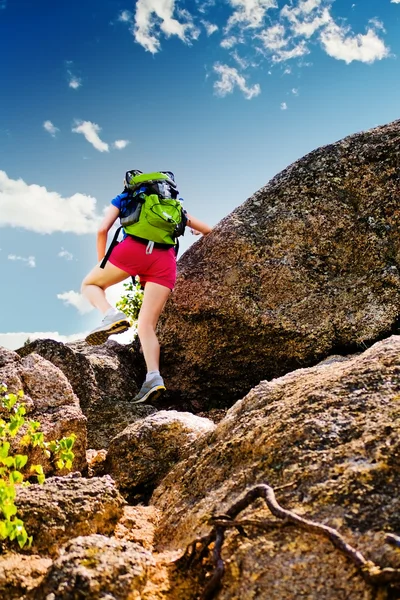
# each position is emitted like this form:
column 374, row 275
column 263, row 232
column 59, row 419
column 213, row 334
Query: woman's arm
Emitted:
column 105, row 226
column 197, row 226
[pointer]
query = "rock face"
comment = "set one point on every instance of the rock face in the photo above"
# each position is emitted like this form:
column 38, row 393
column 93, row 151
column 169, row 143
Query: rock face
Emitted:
column 105, row 378
column 98, row 568
column 328, row 439
column 146, row 450
column 50, row 400
column 306, row 267
column 65, row 507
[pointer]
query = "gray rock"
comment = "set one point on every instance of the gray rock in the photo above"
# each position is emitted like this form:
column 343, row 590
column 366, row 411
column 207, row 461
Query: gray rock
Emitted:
column 105, row 379
column 98, row 568
column 146, row 450
column 65, row 507
column 49, row 399
column 327, row 439
column 312, row 277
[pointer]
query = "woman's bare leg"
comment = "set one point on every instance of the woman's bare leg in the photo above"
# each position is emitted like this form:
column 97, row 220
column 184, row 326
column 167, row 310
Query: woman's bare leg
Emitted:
column 154, row 299
column 97, row 281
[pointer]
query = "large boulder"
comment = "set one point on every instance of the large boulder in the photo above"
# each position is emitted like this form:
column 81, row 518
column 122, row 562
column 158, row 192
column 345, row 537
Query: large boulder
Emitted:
column 105, row 378
column 98, row 568
column 50, row 400
column 306, row 267
column 145, row 451
column 328, row 439
column 65, row 507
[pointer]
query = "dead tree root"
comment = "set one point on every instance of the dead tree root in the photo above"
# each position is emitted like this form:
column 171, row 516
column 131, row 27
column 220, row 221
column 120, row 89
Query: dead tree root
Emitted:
column 199, row 548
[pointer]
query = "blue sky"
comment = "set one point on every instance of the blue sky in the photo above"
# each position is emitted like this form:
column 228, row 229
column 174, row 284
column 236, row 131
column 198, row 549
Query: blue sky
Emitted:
column 224, row 93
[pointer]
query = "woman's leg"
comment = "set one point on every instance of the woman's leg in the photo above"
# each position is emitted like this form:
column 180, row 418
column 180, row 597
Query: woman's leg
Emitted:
column 97, row 281
column 93, row 288
column 154, row 299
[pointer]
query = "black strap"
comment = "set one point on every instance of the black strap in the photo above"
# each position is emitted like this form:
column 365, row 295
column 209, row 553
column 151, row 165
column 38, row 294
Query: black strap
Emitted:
column 156, row 244
column 110, row 248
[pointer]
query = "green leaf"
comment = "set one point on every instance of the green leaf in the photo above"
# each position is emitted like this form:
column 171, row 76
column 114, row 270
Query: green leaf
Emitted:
column 20, row 460
column 16, row 477
column 4, row 448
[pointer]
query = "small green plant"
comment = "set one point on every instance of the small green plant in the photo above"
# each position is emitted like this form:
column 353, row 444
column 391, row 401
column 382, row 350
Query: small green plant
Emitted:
column 14, row 468
column 131, row 302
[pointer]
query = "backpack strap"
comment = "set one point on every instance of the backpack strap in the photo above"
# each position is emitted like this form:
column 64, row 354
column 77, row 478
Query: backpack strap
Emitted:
column 155, row 244
column 110, row 248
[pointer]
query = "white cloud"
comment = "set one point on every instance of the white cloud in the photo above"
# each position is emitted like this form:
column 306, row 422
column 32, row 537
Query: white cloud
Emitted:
column 65, row 254
column 229, row 79
column 339, row 43
column 153, row 16
column 295, row 52
column 91, row 132
column 48, row 125
column 120, row 144
column 295, row 91
column 30, row 260
column 209, row 27
column 283, row 106
column 13, row 341
column 125, row 16
column 229, row 42
column 76, row 300
column 34, row 208
column 249, row 13
column 395, row 1
column 74, row 82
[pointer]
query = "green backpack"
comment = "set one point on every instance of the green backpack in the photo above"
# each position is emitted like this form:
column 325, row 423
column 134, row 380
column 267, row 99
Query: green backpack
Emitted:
column 153, row 213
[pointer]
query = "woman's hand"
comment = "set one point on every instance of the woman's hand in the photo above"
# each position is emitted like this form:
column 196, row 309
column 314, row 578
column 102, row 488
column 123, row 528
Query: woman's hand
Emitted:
column 196, row 226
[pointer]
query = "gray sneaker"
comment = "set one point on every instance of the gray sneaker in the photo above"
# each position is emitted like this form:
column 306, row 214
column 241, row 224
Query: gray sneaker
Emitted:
column 152, row 388
column 116, row 323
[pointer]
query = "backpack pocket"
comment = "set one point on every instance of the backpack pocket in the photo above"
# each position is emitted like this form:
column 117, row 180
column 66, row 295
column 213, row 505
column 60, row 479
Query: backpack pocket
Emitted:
column 164, row 213
column 131, row 214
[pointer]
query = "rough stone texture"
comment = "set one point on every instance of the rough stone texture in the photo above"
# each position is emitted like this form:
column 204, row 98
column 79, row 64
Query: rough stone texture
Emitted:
column 65, row 507
column 331, row 434
column 307, row 266
column 105, row 378
column 50, row 400
column 98, row 568
column 20, row 574
column 146, row 450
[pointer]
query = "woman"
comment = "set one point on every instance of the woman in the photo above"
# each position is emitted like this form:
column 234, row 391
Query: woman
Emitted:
column 157, row 273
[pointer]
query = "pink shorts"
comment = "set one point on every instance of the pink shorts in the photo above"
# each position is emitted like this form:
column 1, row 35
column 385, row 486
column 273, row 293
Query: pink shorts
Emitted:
column 158, row 267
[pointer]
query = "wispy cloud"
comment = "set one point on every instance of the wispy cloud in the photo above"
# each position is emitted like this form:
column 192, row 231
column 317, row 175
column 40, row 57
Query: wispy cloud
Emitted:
column 30, row 261
column 121, row 144
column 33, row 207
column 340, row 43
column 249, row 13
column 283, row 106
column 76, row 300
column 74, row 81
column 125, row 16
column 279, row 32
column 295, row 91
column 231, row 78
column 52, row 129
column 209, row 27
column 91, row 132
column 153, row 18
column 65, row 254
